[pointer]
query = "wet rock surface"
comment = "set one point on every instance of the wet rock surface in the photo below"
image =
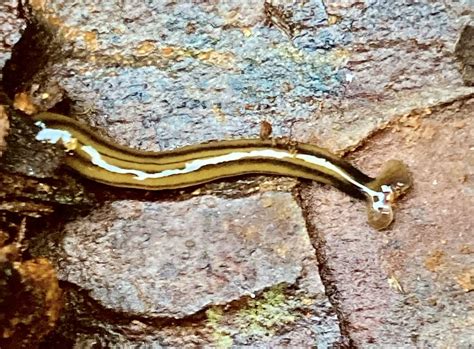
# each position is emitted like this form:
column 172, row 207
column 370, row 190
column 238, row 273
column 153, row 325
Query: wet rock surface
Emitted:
column 279, row 316
column 465, row 53
column 10, row 29
column 160, row 75
column 148, row 261
column 150, row 264
column 409, row 285
column 400, row 58
column 171, row 74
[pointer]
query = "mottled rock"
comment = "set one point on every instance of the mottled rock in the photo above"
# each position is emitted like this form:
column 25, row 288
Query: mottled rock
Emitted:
column 160, row 260
column 169, row 74
column 465, row 54
column 406, row 286
column 174, row 259
column 283, row 315
column 10, row 29
column 399, row 58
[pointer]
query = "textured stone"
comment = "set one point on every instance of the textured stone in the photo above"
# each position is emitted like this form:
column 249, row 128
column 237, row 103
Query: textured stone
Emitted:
column 406, row 286
column 399, row 58
column 465, row 53
column 158, row 260
column 162, row 74
column 174, row 259
column 282, row 315
column 10, row 29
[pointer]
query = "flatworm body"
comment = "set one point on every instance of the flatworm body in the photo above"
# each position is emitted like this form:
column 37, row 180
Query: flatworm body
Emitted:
column 103, row 161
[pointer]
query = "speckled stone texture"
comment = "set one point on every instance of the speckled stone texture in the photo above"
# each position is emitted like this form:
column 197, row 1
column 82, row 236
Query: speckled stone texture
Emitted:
column 409, row 286
column 157, row 75
column 465, row 53
column 172, row 74
column 150, row 261
column 10, row 29
column 173, row 260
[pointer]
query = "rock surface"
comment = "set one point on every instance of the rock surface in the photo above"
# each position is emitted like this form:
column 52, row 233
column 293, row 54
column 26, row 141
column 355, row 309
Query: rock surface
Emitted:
column 148, row 261
column 10, row 29
column 408, row 286
column 175, row 260
column 465, row 53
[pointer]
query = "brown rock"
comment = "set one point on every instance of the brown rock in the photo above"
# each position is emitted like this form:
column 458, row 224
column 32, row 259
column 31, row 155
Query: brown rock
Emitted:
column 10, row 29
column 423, row 251
column 192, row 268
column 465, row 53
column 175, row 259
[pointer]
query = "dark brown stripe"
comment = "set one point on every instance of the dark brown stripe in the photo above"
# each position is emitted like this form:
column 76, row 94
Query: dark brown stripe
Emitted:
column 311, row 174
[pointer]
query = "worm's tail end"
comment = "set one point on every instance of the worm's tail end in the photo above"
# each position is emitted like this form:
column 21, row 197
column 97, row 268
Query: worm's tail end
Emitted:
column 394, row 180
